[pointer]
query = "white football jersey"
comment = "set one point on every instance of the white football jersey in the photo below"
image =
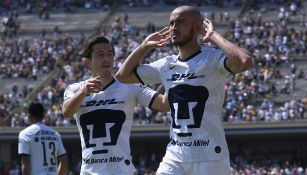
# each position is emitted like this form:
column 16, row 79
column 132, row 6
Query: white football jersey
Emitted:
column 104, row 123
column 195, row 90
column 44, row 145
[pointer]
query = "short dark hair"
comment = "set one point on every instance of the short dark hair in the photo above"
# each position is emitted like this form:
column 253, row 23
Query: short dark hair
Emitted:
column 88, row 48
column 36, row 110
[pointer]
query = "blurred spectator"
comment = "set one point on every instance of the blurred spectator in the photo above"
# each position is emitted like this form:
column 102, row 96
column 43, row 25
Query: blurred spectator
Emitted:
column 273, row 45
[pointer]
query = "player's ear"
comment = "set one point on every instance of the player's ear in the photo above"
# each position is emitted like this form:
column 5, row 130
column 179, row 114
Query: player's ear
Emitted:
column 86, row 61
column 198, row 27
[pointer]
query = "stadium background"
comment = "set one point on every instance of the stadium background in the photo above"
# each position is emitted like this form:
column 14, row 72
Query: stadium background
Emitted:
column 265, row 116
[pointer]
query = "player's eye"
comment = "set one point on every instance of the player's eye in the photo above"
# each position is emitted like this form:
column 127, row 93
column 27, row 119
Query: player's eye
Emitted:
column 100, row 54
column 180, row 21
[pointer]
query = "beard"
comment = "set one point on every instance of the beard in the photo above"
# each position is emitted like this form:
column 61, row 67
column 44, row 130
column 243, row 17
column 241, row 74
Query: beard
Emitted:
column 184, row 39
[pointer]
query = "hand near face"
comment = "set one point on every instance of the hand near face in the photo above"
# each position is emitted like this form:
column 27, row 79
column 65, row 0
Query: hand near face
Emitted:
column 92, row 85
column 158, row 39
column 207, row 30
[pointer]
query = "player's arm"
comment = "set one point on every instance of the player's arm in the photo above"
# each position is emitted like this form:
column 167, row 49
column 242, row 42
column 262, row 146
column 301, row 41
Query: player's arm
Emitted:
column 25, row 165
column 72, row 104
column 125, row 73
column 160, row 103
column 238, row 59
column 63, row 165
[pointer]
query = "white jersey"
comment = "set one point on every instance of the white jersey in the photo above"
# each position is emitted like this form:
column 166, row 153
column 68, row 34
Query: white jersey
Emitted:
column 195, row 90
column 104, row 123
column 44, row 145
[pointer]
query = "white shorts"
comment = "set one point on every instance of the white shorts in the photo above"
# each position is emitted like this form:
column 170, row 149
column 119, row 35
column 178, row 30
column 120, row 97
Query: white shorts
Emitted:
column 171, row 167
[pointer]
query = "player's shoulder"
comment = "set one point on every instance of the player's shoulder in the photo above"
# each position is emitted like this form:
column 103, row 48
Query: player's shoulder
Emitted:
column 211, row 53
column 75, row 85
column 29, row 131
column 49, row 128
column 164, row 62
column 210, row 50
column 129, row 86
column 46, row 127
column 72, row 89
column 170, row 58
column 133, row 88
column 166, row 59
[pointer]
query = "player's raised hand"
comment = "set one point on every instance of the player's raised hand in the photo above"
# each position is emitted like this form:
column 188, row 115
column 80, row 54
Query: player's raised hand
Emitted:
column 207, row 30
column 92, row 85
column 158, row 39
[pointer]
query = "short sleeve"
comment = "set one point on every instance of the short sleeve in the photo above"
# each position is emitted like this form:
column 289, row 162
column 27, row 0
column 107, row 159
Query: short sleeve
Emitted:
column 149, row 73
column 218, row 59
column 71, row 90
column 146, row 96
column 23, row 145
column 222, row 68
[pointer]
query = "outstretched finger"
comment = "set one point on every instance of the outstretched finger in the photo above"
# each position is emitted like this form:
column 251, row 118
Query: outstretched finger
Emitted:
column 204, row 28
column 161, row 44
column 97, row 77
column 94, row 89
column 164, row 41
column 206, row 24
column 164, row 35
column 90, row 84
column 208, row 21
column 94, row 81
column 164, row 30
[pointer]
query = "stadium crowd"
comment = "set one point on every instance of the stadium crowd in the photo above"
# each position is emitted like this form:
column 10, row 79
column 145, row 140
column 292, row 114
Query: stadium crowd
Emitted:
column 250, row 97
column 33, row 60
column 43, row 8
column 276, row 47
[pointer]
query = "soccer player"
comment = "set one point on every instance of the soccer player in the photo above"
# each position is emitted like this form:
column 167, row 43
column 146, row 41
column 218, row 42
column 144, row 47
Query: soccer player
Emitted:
column 41, row 147
column 194, row 83
column 103, row 109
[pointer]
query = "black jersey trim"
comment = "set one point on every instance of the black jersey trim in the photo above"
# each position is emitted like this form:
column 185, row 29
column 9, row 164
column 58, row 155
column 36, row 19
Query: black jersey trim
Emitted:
column 109, row 84
column 62, row 155
column 152, row 100
column 138, row 77
column 24, row 154
column 190, row 57
column 226, row 66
